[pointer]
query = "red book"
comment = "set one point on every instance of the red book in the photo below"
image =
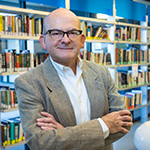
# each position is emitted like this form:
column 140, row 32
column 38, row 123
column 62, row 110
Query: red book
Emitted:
column 12, row 99
column 89, row 55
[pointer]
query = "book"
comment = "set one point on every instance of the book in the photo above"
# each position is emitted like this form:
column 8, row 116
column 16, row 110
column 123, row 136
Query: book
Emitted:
column 108, row 59
column 12, row 131
column 1, row 24
column 7, row 131
column 21, row 134
column 139, row 95
column 97, row 34
column 2, row 134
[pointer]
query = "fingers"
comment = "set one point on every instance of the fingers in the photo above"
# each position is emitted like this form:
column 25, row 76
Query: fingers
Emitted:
column 46, row 120
column 124, row 112
column 47, row 115
column 46, row 126
column 125, row 118
column 118, row 121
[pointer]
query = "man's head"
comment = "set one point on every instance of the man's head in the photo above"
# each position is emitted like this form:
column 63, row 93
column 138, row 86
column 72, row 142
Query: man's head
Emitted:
column 63, row 47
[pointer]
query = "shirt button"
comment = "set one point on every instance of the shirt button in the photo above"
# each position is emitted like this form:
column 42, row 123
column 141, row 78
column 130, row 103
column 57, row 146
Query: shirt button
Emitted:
column 80, row 101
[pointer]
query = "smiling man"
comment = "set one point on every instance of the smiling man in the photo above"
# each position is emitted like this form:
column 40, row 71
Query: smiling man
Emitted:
column 66, row 103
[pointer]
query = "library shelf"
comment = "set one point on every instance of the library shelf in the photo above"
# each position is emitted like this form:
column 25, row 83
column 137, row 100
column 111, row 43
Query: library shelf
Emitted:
column 16, row 10
column 131, row 25
column 12, row 73
column 128, row 65
column 132, row 42
column 138, row 107
column 132, row 87
column 15, row 37
column 99, row 40
column 95, row 20
column 9, row 110
column 13, row 145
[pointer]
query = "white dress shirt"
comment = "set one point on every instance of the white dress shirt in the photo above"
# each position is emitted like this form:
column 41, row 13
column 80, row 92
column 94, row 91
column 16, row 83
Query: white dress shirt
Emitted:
column 77, row 92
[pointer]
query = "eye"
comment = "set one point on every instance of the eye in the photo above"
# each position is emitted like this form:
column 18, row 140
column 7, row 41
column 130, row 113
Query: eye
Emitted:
column 73, row 32
column 54, row 33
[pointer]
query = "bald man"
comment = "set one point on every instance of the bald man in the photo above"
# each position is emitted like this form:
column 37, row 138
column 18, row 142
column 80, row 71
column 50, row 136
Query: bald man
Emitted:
column 67, row 103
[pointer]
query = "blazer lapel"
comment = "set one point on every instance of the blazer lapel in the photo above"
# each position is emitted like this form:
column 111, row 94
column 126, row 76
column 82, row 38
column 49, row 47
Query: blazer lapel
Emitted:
column 94, row 86
column 58, row 96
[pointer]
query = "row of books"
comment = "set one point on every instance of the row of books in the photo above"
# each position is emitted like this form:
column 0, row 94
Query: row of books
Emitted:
column 21, row 25
column 126, row 79
column 103, row 58
column 131, row 56
column 128, row 34
column 11, row 62
column 11, row 131
column 133, row 99
column 8, row 98
column 94, row 31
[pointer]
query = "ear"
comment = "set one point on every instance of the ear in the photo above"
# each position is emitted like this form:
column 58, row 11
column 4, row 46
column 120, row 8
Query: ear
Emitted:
column 82, row 40
column 42, row 41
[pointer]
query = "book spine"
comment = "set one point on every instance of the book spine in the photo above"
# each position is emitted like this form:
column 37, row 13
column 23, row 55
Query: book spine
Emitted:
column 1, row 24
column 16, row 26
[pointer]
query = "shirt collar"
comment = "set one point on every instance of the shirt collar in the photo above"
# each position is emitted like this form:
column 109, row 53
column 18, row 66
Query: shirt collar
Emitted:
column 61, row 68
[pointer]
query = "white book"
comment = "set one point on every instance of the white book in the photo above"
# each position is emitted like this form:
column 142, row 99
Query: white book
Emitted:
column 16, row 25
column 31, row 60
column 83, row 27
column 39, row 22
column 98, row 31
column 125, row 33
column 139, row 102
column 85, row 54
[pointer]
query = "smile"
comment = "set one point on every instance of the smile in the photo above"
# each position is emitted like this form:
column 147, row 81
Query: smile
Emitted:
column 65, row 48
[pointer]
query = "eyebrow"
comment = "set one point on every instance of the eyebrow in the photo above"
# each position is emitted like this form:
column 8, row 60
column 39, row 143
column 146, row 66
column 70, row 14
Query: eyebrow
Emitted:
column 62, row 30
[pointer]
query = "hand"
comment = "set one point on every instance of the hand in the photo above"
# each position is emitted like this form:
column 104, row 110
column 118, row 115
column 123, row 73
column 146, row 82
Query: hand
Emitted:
column 48, row 122
column 117, row 121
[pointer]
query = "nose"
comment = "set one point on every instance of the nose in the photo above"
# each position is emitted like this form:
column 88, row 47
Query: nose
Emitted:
column 65, row 38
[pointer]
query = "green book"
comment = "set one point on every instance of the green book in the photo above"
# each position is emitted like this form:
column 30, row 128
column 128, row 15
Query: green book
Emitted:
column 8, row 99
column 12, row 131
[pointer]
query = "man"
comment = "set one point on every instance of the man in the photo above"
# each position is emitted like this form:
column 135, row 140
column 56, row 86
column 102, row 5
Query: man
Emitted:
column 67, row 103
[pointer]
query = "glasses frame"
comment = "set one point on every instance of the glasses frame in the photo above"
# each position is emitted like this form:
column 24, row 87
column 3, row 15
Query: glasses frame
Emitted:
column 67, row 33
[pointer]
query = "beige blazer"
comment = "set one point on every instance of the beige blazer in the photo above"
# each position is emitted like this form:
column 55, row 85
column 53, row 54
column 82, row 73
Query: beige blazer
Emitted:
column 42, row 90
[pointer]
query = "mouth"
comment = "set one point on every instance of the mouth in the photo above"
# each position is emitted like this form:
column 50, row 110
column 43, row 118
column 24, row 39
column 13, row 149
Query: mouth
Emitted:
column 65, row 48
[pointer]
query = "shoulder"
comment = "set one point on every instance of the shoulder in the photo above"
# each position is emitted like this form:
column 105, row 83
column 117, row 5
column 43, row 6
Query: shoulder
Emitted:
column 97, row 68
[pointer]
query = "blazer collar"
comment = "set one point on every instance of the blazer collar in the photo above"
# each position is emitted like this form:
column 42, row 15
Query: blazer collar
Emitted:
column 58, row 95
column 60, row 98
column 94, row 86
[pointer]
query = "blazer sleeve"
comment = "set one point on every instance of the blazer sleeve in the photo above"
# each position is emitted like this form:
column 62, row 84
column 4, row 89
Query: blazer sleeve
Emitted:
column 85, row 136
column 116, row 103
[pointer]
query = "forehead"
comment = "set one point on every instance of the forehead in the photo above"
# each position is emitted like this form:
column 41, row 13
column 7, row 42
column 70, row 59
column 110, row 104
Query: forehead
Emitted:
column 63, row 21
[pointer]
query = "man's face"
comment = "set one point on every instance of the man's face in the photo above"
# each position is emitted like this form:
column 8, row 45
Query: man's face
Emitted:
column 64, row 50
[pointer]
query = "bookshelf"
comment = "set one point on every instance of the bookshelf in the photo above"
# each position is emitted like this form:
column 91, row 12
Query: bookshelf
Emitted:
column 111, row 43
column 9, row 36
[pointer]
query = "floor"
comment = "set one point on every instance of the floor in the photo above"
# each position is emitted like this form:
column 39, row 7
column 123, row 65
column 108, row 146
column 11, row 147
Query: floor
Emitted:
column 125, row 143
